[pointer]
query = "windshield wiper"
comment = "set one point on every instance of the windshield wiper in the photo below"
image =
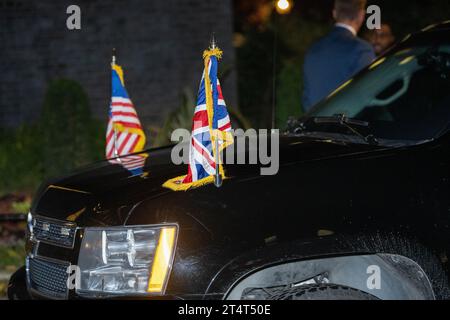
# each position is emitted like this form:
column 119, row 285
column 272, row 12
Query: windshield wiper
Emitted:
column 349, row 123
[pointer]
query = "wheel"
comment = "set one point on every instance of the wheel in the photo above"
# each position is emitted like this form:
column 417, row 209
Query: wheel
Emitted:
column 17, row 287
column 322, row 292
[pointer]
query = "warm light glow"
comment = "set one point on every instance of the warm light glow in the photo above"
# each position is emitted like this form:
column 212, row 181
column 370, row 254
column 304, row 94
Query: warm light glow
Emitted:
column 283, row 6
column 161, row 262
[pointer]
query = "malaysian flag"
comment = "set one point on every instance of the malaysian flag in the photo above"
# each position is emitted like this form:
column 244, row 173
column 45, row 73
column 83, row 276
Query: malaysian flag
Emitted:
column 211, row 121
column 124, row 135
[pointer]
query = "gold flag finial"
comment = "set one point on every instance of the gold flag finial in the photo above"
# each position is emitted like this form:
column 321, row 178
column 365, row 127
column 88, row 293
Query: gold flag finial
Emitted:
column 113, row 56
column 212, row 44
column 213, row 49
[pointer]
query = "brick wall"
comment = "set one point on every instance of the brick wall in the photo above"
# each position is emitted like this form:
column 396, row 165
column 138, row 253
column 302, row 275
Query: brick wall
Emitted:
column 159, row 44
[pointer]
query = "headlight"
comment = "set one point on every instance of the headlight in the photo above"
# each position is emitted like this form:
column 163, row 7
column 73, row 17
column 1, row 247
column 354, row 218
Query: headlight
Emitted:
column 126, row 260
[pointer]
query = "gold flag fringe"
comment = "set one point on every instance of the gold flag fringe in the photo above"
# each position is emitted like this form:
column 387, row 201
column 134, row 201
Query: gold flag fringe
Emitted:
column 213, row 52
column 176, row 184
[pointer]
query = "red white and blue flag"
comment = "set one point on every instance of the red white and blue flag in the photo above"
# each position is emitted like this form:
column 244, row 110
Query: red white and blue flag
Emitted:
column 210, row 122
column 124, row 136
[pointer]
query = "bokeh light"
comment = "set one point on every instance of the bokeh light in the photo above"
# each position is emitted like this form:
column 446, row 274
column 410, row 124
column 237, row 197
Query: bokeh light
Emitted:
column 283, row 6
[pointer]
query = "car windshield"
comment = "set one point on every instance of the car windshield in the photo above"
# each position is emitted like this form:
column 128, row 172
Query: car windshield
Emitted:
column 404, row 98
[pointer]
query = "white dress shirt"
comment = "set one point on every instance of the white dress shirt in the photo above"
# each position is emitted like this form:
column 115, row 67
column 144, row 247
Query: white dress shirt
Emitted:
column 348, row 27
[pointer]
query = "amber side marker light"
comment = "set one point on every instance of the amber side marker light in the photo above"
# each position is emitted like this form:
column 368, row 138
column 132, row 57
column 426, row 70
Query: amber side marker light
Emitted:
column 163, row 260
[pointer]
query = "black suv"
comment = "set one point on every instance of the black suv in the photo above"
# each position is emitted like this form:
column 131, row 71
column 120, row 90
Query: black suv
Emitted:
column 360, row 208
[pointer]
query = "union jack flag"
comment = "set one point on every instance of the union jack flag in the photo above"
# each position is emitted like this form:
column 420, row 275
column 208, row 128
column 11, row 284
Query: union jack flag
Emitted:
column 124, row 135
column 211, row 121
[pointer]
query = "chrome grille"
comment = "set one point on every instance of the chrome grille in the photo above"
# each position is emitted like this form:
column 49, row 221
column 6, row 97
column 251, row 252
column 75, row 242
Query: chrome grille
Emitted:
column 48, row 278
column 54, row 232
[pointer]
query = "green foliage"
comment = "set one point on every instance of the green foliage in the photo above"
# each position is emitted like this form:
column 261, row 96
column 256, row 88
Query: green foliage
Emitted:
column 66, row 137
column 254, row 62
column 11, row 257
column 20, row 163
column 178, row 119
column 67, row 128
column 3, row 289
column 289, row 75
column 288, row 94
column 21, row 207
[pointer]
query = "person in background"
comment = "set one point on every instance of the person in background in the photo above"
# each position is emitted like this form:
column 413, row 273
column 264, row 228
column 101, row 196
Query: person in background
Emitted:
column 339, row 55
column 381, row 39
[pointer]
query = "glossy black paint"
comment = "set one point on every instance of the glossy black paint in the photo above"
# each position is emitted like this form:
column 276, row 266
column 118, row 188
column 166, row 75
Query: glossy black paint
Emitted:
column 346, row 191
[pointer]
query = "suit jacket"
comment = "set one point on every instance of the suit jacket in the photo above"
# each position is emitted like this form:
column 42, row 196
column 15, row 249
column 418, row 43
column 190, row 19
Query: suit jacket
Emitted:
column 332, row 61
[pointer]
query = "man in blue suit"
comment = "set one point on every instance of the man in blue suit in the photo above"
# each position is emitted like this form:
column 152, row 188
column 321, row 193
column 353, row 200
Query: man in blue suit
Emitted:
column 339, row 55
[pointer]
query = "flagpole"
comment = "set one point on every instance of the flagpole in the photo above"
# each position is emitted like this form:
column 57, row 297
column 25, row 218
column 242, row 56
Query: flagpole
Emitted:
column 217, row 176
column 113, row 63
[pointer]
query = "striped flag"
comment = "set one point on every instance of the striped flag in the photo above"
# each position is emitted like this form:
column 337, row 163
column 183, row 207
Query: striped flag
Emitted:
column 211, row 121
column 124, row 135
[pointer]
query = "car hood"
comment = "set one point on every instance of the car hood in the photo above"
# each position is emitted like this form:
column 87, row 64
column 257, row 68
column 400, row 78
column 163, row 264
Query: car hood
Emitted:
column 105, row 193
